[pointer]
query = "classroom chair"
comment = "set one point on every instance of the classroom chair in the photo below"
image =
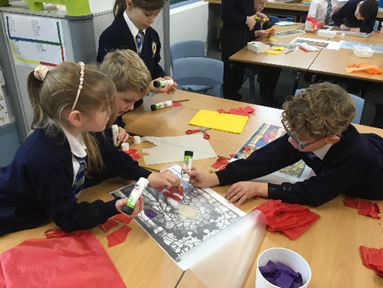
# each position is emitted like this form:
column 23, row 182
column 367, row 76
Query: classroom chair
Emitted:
column 189, row 48
column 359, row 103
column 199, row 71
column 275, row 19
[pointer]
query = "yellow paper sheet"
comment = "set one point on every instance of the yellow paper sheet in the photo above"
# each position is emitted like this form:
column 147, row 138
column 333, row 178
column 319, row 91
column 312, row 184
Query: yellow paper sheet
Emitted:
column 273, row 52
column 219, row 121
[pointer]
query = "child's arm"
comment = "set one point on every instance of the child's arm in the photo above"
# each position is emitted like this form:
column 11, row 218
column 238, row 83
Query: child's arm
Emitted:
column 338, row 16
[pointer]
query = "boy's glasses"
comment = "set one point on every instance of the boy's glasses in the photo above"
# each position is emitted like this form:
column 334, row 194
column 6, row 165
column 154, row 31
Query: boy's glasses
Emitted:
column 302, row 146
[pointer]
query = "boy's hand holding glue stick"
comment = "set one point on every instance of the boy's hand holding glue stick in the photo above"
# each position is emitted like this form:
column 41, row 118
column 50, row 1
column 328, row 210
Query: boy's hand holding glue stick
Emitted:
column 163, row 85
column 119, row 135
column 138, row 207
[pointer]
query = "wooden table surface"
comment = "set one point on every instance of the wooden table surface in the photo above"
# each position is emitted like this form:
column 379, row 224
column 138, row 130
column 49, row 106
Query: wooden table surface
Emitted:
column 331, row 245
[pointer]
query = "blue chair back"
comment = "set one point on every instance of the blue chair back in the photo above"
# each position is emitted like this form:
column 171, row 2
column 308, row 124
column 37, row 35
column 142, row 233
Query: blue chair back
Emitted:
column 199, row 71
column 359, row 103
column 187, row 48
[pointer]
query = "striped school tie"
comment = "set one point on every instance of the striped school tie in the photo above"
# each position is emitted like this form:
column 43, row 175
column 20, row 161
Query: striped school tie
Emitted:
column 139, row 41
column 80, row 176
column 311, row 155
column 328, row 19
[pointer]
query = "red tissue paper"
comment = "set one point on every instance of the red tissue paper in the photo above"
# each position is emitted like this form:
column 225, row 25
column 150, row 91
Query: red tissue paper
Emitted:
column 220, row 162
column 74, row 259
column 365, row 207
column 122, row 218
column 291, row 219
column 373, row 259
column 109, row 224
column 118, row 236
column 133, row 153
column 244, row 111
column 176, row 104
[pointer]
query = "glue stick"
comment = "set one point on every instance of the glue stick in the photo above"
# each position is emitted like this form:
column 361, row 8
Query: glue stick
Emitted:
column 188, row 158
column 136, row 193
column 115, row 135
column 161, row 105
column 162, row 83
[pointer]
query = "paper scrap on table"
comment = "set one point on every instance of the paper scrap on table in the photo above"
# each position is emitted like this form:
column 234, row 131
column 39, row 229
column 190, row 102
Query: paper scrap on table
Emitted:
column 291, row 219
column 122, row 218
column 109, row 224
column 219, row 121
column 172, row 149
column 244, row 111
column 364, row 67
column 365, row 207
column 118, row 236
column 220, row 162
column 373, row 259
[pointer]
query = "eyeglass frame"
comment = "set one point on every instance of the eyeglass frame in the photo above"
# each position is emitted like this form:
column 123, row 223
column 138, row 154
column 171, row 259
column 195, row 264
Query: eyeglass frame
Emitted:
column 302, row 146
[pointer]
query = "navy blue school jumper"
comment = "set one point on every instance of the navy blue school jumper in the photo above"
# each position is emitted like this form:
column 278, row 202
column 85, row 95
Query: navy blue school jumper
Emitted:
column 118, row 36
column 346, row 16
column 37, row 186
column 234, row 36
column 116, row 163
column 353, row 166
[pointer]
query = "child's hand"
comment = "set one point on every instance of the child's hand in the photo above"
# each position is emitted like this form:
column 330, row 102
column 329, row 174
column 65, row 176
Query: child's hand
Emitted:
column 166, row 178
column 261, row 34
column 250, row 22
column 169, row 89
column 239, row 192
column 263, row 17
column 335, row 9
column 355, row 29
column 320, row 24
column 137, row 209
column 202, row 179
column 344, row 27
column 123, row 136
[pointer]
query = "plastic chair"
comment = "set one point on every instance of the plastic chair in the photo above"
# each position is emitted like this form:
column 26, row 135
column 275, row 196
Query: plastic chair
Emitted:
column 189, row 48
column 275, row 19
column 199, row 71
column 358, row 101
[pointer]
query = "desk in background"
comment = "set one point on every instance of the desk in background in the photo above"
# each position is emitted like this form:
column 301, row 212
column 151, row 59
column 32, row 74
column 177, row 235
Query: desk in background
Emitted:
column 331, row 245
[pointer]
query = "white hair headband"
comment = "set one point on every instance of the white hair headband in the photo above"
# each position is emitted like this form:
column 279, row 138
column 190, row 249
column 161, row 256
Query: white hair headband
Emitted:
column 82, row 72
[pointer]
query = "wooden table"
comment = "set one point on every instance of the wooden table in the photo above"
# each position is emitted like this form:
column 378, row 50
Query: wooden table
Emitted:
column 331, row 245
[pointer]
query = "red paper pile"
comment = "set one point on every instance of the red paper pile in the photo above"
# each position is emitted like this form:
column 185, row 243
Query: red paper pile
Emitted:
column 238, row 111
column 291, row 219
column 133, row 153
column 118, row 236
column 365, row 207
column 220, row 163
column 172, row 192
column 373, row 259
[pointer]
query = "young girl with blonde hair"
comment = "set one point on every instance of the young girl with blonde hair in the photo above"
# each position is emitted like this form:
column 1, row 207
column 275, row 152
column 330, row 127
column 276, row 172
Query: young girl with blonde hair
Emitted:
column 47, row 173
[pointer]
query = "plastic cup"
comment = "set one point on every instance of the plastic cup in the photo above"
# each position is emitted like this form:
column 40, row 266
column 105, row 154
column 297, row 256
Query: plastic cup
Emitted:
column 285, row 256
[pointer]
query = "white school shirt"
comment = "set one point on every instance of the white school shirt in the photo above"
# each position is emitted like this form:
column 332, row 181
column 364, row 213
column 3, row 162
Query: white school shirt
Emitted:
column 78, row 148
column 133, row 29
column 318, row 9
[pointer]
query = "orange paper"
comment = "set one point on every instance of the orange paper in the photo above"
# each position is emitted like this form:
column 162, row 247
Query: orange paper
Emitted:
column 364, row 67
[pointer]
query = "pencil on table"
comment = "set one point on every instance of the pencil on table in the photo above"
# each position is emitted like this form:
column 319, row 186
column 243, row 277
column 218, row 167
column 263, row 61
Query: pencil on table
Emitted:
column 182, row 100
column 289, row 51
column 150, row 168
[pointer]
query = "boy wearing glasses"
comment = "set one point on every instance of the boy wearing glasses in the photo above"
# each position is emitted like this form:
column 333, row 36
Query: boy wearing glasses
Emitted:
column 318, row 131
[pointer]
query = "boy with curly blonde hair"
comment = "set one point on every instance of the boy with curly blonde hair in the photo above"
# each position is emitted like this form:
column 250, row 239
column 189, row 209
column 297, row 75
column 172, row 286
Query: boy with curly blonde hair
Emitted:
column 319, row 132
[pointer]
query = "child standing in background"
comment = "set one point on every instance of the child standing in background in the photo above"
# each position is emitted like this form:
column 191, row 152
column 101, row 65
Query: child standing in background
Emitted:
column 357, row 16
column 240, row 27
column 132, row 80
column 131, row 30
column 319, row 132
column 47, row 173
column 322, row 10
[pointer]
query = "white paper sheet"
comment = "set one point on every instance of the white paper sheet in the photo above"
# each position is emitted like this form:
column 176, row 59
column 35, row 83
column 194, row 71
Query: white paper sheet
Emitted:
column 172, row 149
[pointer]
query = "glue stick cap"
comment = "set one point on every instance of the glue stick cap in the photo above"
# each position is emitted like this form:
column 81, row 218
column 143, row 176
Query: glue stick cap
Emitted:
column 189, row 153
column 157, row 83
column 153, row 107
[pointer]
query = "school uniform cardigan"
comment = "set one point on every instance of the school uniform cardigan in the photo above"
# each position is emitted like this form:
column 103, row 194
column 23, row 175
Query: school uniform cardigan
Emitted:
column 346, row 15
column 118, row 36
column 116, row 163
column 37, row 186
column 353, row 166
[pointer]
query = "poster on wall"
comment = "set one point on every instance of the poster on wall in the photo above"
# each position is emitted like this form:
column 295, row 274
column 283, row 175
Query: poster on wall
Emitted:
column 4, row 116
column 35, row 40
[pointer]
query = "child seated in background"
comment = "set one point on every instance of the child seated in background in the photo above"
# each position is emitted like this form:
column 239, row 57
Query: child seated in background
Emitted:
column 357, row 16
column 318, row 131
column 47, row 173
column 322, row 10
column 132, row 80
